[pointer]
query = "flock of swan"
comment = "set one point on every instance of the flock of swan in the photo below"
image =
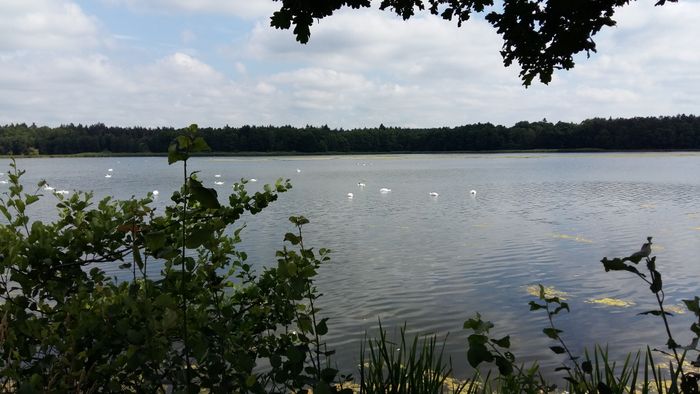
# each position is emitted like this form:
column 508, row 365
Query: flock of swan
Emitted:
column 386, row 190
column 155, row 193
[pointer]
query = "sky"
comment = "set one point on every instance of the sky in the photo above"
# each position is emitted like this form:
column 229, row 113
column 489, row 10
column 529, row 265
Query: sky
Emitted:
column 217, row 62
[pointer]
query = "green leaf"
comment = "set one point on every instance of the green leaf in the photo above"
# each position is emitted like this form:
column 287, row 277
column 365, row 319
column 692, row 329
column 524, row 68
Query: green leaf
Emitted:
column 321, row 327
column 199, row 145
column 199, row 236
column 251, row 380
column 479, row 326
column 503, row 342
column 562, row 306
column 615, row 264
column 31, row 199
column 478, row 352
column 505, row 367
column 155, row 240
column 656, row 284
column 5, row 212
column 305, row 324
column 655, row 313
column 693, row 305
column 176, row 152
column 604, row 388
column 291, row 238
column 552, row 332
column 535, row 306
column 558, row 349
column 587, row 367
column 329, row 374
column 207, row 197
column 170, row 318
column 695, row 328
column 322, row 388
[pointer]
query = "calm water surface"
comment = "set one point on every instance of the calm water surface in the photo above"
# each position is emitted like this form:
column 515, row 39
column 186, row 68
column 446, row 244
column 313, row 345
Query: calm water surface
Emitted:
column 434, row 261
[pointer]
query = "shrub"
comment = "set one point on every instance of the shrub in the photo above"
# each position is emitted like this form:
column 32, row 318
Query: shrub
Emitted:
column 206, row 321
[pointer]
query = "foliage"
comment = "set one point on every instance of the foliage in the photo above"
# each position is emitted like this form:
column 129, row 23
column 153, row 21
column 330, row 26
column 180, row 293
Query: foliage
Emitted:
column 205, row 320
column 541, row 35
column 406, row 367
column 597, row 373
column 675, row 132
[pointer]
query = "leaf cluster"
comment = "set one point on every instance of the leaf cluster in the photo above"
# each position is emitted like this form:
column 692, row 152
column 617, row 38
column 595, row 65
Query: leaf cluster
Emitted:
column 193, row 315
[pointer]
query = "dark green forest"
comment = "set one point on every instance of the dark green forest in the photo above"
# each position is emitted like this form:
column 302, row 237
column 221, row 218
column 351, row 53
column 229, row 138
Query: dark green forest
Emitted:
column 680, row 132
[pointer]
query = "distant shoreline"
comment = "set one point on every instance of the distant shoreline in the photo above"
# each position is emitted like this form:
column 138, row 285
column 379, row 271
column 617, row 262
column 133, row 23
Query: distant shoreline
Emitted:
column 260, row 154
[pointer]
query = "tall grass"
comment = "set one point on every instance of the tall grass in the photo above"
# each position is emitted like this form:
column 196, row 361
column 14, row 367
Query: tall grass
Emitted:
column 415, row 366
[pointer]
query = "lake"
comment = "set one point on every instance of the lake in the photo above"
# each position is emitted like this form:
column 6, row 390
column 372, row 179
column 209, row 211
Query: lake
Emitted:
column 406, row 256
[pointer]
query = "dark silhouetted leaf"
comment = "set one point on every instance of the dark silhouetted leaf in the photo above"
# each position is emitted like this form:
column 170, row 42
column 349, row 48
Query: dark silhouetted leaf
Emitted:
column 505, row 367
column 656, row 284
column 207, row 197
column 587, row 367
column 655, row 313
column 552, row 332
column 558, row 349
column 503, row 342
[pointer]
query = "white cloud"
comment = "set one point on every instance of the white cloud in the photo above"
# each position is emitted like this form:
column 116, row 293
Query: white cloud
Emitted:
column 240, row 8
column 45, row 24
column 421, row 47
column 361, row 68
column 188, row 36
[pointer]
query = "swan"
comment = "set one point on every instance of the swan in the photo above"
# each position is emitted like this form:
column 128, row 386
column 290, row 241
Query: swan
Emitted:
column 217, row 176
column 4, row 182
column 218, row 183
column 384, row 190
column 350, row 195
column 110, row 170
column 49, row 188
column 433, row 194
column 253, row 180
column 473, row 192
column 64, row 192
column 108, row 176
column 361, row 184
column 155, row 192
column 298, row 170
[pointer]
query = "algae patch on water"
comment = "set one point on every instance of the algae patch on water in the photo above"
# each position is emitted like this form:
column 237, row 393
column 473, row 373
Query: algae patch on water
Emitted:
column 575, row 238
column 549, row 291
column 608, row 301
column 678, row 309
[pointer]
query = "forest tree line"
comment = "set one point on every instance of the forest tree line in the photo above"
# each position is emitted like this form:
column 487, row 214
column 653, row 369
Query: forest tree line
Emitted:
column 680, row 132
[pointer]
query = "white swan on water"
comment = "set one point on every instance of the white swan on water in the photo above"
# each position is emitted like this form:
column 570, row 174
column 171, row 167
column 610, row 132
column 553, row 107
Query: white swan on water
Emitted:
column 155, row 192
column 298, row 170
column 109, row 170
column 361, row 184
column 473, row 192
column 218, row 183
column 384, row 190
column 108, row 176
column 4, row 182
column 350, row 195
column 217, row 176
column 433, row 194
column 64, row 192
column 253, row 180
column 49, row 188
